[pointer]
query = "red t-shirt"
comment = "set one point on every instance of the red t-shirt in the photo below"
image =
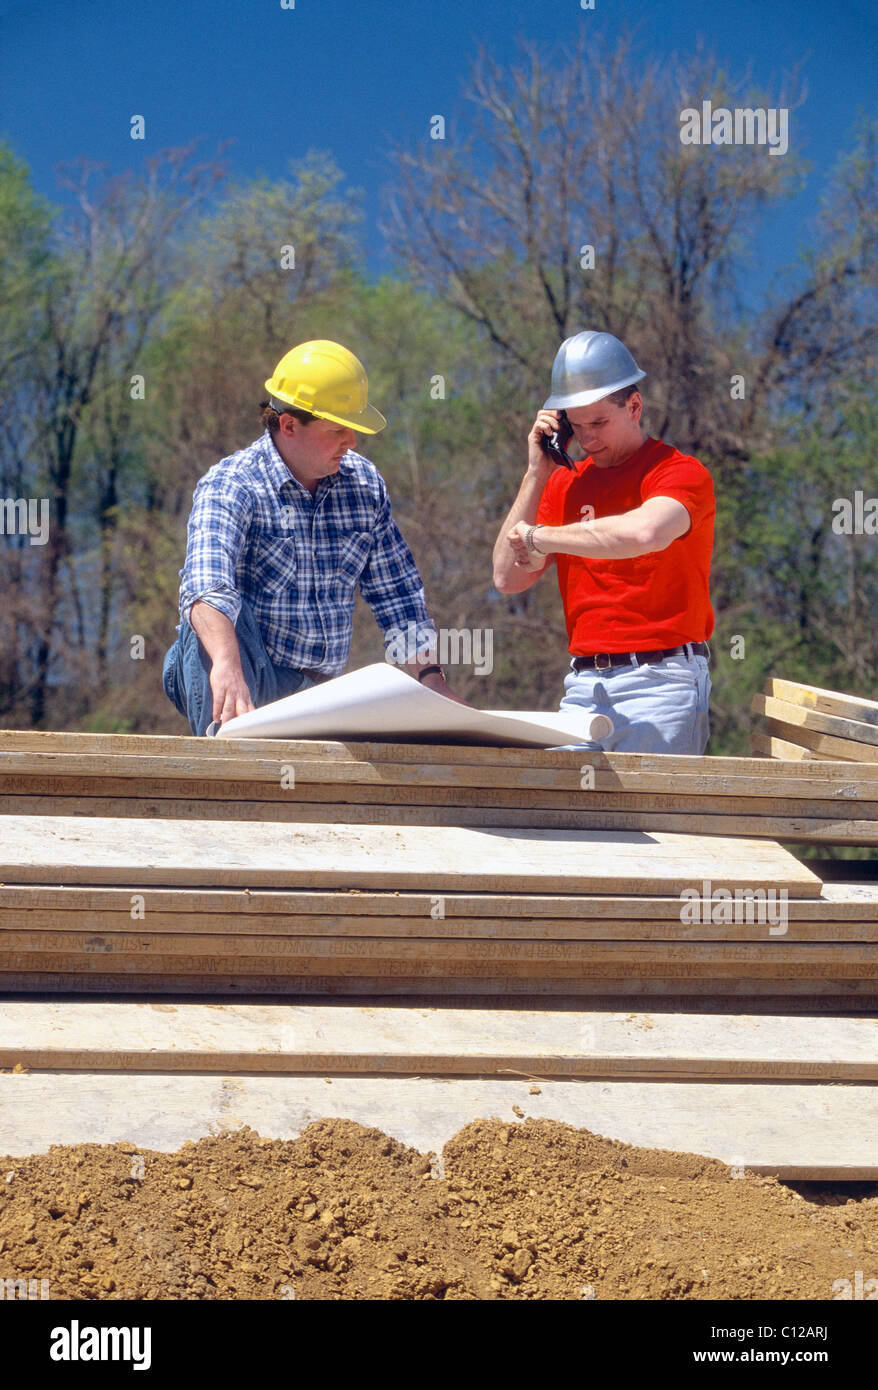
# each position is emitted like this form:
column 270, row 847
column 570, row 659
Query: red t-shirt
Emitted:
column 651, row 601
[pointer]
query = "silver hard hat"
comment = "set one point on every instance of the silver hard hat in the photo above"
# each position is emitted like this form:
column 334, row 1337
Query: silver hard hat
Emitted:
column 588, row 367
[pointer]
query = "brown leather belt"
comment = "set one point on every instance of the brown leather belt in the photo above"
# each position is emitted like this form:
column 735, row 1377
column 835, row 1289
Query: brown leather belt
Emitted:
column 603, row 661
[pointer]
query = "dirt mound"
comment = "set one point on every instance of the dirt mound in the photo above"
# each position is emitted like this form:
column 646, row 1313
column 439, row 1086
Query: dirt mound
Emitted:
column 531, row 1210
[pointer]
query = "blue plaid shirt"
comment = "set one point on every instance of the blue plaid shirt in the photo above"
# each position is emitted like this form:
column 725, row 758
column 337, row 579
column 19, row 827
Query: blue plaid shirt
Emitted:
column 255, row 533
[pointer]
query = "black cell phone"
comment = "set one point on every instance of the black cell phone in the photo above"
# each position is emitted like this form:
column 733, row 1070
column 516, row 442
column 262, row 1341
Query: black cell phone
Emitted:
column 555, row 444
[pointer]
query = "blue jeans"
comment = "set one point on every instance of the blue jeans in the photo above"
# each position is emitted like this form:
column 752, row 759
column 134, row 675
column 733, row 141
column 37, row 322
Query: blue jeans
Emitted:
column 657, row 708
column 186, row 672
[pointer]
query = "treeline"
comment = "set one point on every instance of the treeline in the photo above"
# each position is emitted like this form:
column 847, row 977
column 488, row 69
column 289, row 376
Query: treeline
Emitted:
column 141, row 317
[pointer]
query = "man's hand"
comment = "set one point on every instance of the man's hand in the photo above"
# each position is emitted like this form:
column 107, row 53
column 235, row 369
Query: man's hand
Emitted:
column 217, row 635
column 230, row 693
column 548, row 422
column 510, row 577
column 438, row 683
column 525, row 559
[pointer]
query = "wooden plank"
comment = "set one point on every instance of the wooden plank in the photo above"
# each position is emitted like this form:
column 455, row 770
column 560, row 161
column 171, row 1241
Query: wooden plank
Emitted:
column 825, row 996
column 291, row 750
column 635, row 791
column 533, row 960
column 851, row 730
column 665, row 764
column 90, row 775
column 328, row 855
column 183, row 746
column 802, row 829
column 795, row 1130
column 826, row 701
column 303, row 1038
column 837, row 901
column 38, row 741
column 766, row 955
column 825, row 744
column 782, row 748
column 91, row 927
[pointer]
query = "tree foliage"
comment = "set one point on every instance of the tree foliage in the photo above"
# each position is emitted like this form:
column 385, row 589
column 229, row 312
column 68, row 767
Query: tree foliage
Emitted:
column 142, row 318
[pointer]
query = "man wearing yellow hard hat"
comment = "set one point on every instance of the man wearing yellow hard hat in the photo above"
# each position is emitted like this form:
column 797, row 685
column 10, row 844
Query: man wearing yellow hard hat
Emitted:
column 280, row 536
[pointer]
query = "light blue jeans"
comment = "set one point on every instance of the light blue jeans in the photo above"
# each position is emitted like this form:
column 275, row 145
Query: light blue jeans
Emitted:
column 186, row 672
column 657, row 708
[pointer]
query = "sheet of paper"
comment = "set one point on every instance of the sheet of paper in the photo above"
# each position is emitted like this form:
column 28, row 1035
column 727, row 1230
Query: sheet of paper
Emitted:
column 383, row 702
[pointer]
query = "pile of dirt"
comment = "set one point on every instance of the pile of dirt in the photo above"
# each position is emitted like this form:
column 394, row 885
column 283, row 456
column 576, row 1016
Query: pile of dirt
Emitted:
column 532, row 1210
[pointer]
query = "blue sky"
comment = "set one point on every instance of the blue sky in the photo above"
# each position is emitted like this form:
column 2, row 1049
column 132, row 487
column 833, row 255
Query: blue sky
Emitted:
column 357, row 76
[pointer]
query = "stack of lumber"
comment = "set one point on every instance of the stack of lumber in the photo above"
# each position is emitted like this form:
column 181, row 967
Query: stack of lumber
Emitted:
column 181, row 865
column 795, row 1096
column 345, row 1039
column 412, row 784
column 436, row 928
column 805, row 723
column 327, row 908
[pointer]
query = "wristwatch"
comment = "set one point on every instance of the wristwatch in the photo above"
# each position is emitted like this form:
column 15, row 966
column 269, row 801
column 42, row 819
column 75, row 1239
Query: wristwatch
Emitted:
column 529, row 538
column 430, row 671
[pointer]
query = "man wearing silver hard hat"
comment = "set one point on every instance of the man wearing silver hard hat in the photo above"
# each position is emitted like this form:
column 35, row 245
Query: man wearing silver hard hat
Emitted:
column 629, row 529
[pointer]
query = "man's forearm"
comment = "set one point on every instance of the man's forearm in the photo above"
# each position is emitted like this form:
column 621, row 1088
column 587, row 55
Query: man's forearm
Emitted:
column 605, row 538
column 216, row 633
column 524, row 508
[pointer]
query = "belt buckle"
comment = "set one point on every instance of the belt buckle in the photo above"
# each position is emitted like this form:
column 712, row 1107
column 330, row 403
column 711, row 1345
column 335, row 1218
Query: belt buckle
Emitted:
column 597, row 662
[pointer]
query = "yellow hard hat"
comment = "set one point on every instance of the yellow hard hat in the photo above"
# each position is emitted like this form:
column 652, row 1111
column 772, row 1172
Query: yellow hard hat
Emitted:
column 326, row 380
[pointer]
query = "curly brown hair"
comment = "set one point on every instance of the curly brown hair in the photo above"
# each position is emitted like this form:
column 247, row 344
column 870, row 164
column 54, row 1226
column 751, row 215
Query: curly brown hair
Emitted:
column 270, row 419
